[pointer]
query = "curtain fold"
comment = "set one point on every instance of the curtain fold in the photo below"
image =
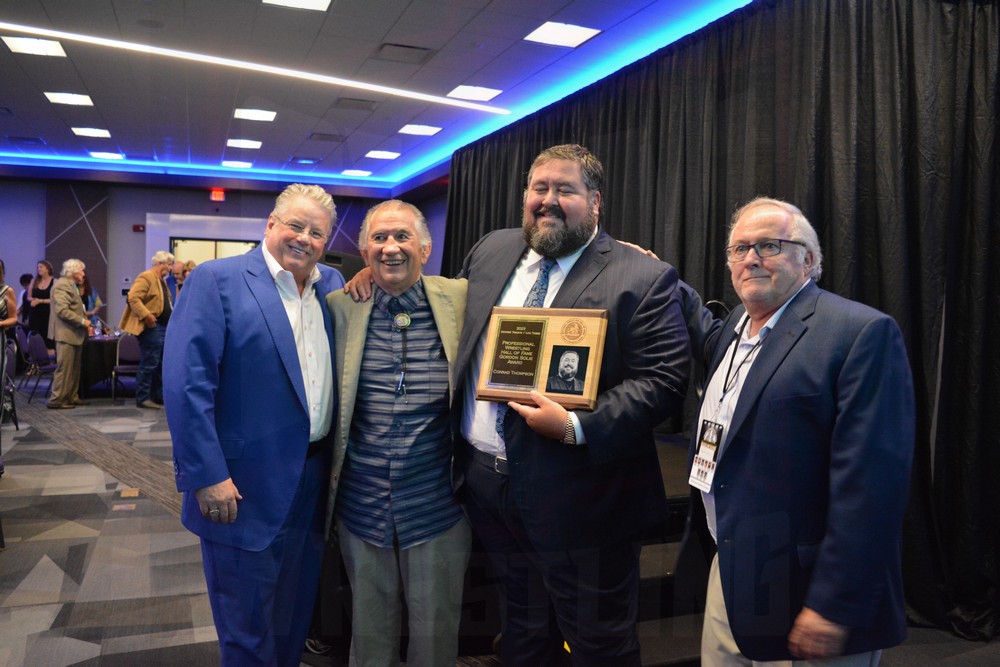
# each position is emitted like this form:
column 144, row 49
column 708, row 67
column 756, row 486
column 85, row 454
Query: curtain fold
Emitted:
column 879, row 119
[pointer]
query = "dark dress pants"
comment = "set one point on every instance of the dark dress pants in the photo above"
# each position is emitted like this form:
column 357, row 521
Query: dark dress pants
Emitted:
column 588, row 596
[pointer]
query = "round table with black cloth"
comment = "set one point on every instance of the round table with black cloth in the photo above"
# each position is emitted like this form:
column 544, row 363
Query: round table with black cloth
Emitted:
column 99, row 354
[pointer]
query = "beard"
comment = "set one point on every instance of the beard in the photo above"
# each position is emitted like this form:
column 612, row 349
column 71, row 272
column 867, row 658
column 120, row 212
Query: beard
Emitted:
column 561, row 242
column 566, row 374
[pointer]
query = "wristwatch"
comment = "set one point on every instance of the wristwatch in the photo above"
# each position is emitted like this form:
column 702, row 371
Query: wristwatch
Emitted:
column 569, row 433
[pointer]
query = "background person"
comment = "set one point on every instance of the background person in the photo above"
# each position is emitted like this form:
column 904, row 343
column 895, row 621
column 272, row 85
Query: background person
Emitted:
column 8, row 307
column 174, row 278
column 68, row 327
column 91, row 304
column 41, row 302
column 250, row 394
column 8, row 318
column 402, row 533
column 24, row 299
column 810, row 399
column 146, row 316
column 185, row 272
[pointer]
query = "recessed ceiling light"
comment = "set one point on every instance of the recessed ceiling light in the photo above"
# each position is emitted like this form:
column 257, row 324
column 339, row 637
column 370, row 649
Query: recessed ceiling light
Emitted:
column 307, row 160
column 255, row 114
column 474, row 93
column 70, row 98
column 237, row 164
column 244, row 143
column 561, row 34
column 382, row 155
column 34, row 46
column 423, row 130
column 91, row 132
column 107, row 156
column 356, row 172
column 318, row 5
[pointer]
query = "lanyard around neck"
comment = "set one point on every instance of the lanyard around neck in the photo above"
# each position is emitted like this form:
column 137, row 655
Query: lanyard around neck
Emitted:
column 727, row 384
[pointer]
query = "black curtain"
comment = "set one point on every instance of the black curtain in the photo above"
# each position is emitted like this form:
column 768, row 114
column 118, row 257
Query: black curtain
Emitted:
column 879, row 119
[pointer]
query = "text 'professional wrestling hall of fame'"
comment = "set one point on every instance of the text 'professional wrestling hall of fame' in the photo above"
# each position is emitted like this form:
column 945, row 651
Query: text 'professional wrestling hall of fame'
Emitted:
column 556, row 351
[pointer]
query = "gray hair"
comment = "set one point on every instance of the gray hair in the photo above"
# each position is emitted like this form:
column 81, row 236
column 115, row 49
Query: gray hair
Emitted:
column 314, row 192
column 423, row 233
column 71, row 266
column 162, row 257
column 802, row 229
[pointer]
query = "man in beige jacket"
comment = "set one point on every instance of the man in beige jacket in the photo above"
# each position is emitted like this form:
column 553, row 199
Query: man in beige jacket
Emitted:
column 402, row 533
column 68, row 328
column 146, row 316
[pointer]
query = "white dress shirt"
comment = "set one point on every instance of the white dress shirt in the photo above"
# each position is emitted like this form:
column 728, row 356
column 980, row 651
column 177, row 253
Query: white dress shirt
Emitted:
column 718, row 404
column 305, row 315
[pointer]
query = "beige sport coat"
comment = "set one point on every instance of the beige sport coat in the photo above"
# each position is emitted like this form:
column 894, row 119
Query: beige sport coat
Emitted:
column 145, row 297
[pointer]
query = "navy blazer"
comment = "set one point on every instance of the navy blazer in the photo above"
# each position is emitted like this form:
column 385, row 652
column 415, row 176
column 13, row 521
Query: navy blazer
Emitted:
column 813, row 478
column 609, row 489
column 234, row 397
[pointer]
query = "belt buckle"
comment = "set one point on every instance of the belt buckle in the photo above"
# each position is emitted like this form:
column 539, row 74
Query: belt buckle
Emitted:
column 496, row 464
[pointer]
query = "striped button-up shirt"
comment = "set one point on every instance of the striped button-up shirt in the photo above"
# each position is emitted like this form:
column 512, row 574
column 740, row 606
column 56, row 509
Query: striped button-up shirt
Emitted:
column 396, row 481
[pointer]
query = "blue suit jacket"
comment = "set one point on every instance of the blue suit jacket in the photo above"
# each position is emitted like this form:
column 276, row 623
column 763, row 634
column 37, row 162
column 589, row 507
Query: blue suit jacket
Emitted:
column 611, row 488
column 234, row 397
column 813, row 479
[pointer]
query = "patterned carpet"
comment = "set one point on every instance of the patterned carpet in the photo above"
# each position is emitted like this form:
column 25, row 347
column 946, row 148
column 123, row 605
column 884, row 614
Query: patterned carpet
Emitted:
column 95, row 570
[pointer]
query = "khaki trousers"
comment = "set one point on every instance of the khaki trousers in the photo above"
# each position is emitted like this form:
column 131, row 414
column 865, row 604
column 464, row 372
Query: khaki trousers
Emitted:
column 719, row 649
column 66, row 381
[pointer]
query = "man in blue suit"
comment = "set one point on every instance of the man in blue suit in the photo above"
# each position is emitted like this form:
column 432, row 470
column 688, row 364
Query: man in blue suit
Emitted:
column 561, row 499
column 802, row 455
column 249, row 393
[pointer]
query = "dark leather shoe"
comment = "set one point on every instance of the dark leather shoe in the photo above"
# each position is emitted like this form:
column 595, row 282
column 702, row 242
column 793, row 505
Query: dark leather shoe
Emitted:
column 150, row 405
column 59, row 406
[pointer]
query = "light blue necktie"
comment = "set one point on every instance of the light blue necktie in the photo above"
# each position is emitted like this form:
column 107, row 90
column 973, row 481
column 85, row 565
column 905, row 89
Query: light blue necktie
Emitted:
column 535, row 299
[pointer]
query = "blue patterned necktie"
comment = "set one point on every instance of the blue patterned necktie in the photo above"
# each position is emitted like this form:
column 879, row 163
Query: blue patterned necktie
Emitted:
column 535, row 299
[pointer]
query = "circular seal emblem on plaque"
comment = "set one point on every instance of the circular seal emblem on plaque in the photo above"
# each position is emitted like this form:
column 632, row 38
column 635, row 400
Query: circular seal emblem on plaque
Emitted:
column 573, row 330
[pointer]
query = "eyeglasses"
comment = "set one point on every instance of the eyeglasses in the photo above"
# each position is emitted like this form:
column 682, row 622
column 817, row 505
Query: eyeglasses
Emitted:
column 299, row 230
column 764, row 248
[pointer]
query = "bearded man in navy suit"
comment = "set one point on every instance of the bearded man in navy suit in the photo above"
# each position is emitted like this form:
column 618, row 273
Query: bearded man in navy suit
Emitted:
column 561, row 499
column 802, row 456
column 249, row 393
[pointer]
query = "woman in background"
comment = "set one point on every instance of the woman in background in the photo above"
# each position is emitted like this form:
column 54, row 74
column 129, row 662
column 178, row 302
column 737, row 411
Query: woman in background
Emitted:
column 91, row 304
column 41, row 299
column 8, row 318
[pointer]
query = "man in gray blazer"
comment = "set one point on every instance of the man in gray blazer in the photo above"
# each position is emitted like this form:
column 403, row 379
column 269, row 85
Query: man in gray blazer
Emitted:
column 402, row 533
column 561, row 499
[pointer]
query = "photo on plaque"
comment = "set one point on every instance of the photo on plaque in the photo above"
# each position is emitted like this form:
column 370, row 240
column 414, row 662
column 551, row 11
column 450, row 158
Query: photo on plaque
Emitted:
column 556, row 351
column 567, row 369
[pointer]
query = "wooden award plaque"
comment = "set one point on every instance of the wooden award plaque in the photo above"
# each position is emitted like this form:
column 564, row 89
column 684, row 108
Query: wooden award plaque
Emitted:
column 556, row 351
